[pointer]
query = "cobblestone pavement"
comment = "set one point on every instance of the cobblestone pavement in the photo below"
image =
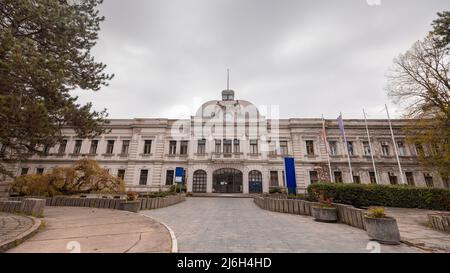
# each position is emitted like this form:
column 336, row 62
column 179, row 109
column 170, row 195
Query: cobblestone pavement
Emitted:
column 87, row 230
column 413, row 226
column 238, row 225
column 12, row 225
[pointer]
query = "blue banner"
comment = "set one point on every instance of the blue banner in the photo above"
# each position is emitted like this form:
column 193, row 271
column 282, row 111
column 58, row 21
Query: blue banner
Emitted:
column 179, row 173
column 289, row 169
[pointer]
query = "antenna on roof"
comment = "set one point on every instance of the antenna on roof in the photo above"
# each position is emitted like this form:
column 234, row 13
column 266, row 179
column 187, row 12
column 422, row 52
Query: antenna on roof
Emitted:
column 228, row 79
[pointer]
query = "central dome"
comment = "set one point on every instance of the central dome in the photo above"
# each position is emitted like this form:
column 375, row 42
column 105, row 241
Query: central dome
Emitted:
column 227, row 107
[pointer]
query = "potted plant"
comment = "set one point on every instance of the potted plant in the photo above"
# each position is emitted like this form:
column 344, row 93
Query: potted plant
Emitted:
column 132, row 203
column 380, row 227
column 325, row 211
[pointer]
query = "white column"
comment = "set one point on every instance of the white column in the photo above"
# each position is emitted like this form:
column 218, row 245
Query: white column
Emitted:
column 209, row 182
column 245, row 182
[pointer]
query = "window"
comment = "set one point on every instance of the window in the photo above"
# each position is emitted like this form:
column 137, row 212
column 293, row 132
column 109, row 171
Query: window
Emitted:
column 255, row 176
column 201, row 146
column 333, row 147
column 46, row 150
column 385, row 148
column 419, row 149
column 143, row 177
column 272, row 148
column 284, row 178
column 392, row 178
column 184, row 147
column 40, row 171
column 338, row 177
column 253, row 146
column 237, row 148
column 274, row 179
column 284, row 147
column 366, row 148
column 62, row 147
column 410, row 178
column 169, row 177
column 218, row 149
column 313, row 177
column 373, row 179
column 125, row 147
column 121, row 174
column 350, row 148
column 356, row 178
column 110, row 147
column 310, row 147
column 227, row 146
column 428, row 180
column 93, row 149
column 401, row 148
column 199, row 181
column 147, row 147
column 77, row 148
column 172, row 147
column 24, row 171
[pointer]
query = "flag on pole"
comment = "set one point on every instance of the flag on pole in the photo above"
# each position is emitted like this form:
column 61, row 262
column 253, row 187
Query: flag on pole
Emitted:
column 324, row 138
column 341, row 125
column 340, row 121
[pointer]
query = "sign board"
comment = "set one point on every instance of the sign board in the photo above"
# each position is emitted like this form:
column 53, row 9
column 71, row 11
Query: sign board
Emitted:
column 179, row 173
column 289, row 170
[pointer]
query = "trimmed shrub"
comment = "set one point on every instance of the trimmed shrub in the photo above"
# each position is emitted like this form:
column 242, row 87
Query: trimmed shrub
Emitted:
column 360, row 195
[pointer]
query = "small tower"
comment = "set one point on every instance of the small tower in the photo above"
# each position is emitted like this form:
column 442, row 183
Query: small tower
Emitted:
column 228, row 95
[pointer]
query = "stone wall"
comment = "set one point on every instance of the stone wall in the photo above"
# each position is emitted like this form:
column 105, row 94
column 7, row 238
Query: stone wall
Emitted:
column 107, row 203
column 346, row 214
column 440, row 221
column 28, row 206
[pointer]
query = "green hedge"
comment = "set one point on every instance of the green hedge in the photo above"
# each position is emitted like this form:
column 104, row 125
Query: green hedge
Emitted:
column 384, row 195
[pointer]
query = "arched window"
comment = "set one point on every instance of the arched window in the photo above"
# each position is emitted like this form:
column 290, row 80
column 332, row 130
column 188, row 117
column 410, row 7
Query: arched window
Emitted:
column 255, row 176
column 199, row 181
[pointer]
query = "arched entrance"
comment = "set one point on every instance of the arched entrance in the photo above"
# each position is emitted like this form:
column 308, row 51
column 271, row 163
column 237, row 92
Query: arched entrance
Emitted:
column 255, row 182
column 227, row 181
column 199, row 181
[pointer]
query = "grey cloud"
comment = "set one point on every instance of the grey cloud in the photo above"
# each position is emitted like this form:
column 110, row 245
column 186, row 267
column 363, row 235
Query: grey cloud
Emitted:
column 308, row 57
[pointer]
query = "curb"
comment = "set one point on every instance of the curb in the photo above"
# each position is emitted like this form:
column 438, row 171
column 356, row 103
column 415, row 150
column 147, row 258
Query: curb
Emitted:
column 22, row 237
column 174, row 243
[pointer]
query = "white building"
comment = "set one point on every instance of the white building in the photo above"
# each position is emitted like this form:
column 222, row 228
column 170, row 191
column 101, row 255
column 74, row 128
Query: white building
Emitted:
column 228, row 146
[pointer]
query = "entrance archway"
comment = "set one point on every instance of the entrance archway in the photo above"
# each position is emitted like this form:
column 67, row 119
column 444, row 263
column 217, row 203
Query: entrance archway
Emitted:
column 199, row 181
column 255, row 182
column 227, row 181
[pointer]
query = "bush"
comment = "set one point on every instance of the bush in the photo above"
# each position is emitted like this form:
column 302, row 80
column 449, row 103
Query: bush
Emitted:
column 157, row 194
column 176, row 188
column 276, row 190
column 383, row 195
column 376, row 212
column 85, row 176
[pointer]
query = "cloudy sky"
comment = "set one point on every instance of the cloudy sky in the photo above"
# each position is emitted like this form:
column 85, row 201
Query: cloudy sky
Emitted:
column 308, row 57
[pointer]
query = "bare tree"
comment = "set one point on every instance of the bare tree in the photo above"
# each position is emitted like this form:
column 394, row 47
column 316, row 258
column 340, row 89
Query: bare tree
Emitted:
column 420, row 81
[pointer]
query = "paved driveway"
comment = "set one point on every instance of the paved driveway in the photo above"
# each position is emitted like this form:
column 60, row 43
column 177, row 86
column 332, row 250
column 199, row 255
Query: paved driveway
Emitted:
column 238, row 225
column 90, row 230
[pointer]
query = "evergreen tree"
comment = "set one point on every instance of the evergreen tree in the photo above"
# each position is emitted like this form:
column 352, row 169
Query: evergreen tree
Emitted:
column 45, row 53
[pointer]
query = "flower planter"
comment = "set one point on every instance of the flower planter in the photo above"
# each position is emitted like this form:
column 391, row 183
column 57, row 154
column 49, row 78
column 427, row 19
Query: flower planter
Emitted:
column 325, row 214
column 132, row 206
column 383, row 230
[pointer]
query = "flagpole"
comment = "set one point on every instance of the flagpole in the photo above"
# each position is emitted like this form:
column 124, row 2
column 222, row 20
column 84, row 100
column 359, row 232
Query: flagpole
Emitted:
column 395, row 146
column 370, row 147
column 326, row 148
column 346, row 146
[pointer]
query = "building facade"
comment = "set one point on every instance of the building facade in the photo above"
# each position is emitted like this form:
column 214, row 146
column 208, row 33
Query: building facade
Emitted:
column 230, row 147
